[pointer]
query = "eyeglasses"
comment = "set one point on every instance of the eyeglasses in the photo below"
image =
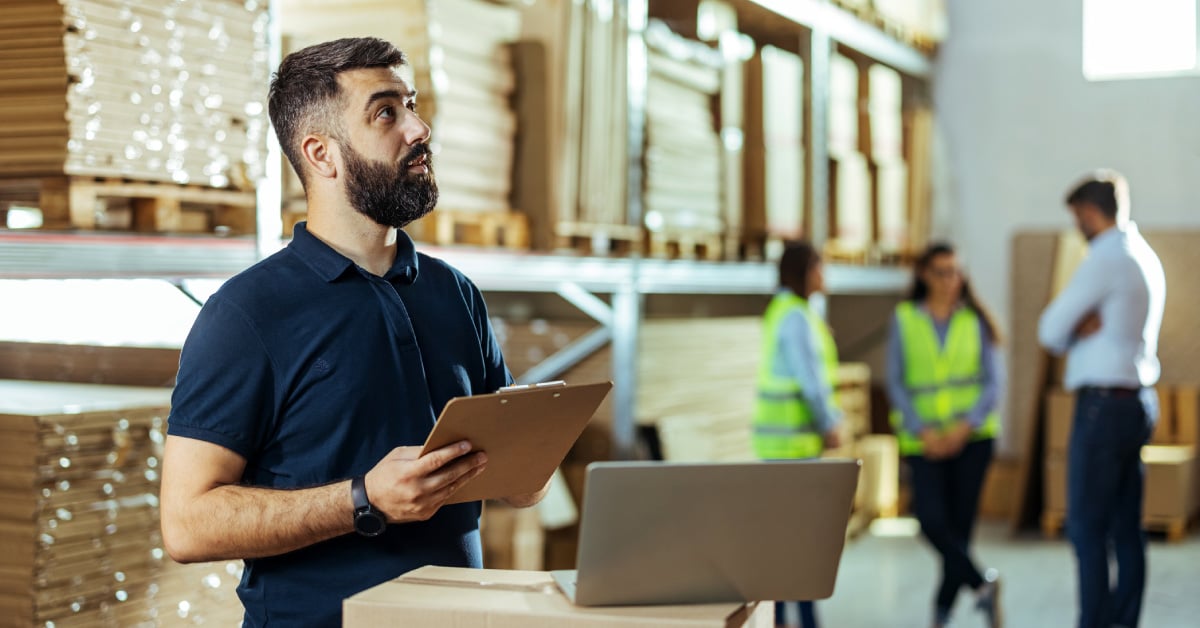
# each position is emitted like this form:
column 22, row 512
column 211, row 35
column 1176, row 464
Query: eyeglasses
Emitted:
column 944, row 273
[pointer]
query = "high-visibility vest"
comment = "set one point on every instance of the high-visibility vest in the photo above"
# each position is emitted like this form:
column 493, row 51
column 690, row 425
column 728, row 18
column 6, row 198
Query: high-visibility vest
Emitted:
column 944, row 381
column 783, row 421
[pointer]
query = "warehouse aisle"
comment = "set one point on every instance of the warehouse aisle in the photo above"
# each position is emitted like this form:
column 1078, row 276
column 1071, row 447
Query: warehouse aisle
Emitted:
column 888, row 581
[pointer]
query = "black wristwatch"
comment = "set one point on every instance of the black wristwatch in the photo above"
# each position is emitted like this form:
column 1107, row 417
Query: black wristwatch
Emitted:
column 367, row 520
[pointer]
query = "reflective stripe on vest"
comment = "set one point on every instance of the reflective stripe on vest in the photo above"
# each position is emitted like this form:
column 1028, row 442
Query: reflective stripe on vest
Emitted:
column 945, row 381
column 783, row 422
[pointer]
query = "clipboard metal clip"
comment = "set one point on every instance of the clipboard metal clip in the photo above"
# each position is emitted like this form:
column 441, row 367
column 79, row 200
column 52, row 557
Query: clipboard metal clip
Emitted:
column 517, row 387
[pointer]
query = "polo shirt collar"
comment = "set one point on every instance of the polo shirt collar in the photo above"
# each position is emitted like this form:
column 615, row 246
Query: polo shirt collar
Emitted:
column 330, row 265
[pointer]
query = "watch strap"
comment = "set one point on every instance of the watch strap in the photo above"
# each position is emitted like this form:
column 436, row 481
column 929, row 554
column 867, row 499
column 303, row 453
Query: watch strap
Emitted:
column 358, row 494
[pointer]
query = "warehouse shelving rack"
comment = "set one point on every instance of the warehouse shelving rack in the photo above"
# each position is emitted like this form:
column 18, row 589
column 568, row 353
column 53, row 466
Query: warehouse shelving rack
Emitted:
column 578, row 280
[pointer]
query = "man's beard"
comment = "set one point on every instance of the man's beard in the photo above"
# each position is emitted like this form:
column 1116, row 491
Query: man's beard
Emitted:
column 388, row 193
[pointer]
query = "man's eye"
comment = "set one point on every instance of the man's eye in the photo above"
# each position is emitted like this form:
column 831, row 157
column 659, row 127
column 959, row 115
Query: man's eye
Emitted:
column 387, row 112
column 412, row 106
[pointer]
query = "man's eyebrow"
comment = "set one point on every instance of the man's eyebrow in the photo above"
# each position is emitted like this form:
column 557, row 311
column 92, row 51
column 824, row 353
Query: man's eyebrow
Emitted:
column 389, row 93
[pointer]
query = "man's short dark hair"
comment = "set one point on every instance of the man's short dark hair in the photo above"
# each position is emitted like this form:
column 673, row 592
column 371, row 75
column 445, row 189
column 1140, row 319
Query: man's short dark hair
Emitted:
column 1105, row 189
column 304, row 91
column 797, row 260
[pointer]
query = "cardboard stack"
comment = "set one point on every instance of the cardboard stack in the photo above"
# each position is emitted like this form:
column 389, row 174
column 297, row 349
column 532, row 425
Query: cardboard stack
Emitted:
column 774, row 150
column 886, row 127
column 1172, row 489
column 155, row 91
column 79, row 520
column 683, row 149
column 462, row 67
column 850, row 178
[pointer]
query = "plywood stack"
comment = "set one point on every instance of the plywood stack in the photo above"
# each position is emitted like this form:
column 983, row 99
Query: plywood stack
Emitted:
column 683, row 158
column 850, row 180
column 171, row 92
column 774, row 152
column 462, row 67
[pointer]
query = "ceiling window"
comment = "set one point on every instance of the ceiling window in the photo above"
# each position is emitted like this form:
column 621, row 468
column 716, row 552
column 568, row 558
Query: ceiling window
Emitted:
column 1139, row 38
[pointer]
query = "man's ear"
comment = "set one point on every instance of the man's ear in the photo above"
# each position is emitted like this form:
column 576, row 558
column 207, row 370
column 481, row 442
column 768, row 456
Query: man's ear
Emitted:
column 318, row 153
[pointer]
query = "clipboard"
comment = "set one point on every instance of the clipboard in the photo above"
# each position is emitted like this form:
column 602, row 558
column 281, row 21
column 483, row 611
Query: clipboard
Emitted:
column 526, row 432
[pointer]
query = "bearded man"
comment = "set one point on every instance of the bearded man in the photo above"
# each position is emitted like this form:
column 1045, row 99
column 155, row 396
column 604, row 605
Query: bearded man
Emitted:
column 309, row 381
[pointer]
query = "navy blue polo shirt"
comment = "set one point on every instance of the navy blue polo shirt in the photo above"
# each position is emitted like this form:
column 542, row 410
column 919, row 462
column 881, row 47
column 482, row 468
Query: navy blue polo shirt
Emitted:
column 313, row 369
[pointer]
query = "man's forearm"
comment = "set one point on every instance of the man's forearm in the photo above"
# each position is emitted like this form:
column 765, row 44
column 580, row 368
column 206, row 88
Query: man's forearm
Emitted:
column 234, row 521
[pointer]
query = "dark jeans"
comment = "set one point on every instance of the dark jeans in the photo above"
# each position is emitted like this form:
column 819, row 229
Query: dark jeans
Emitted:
column 1105, row 481
column 808, row 614
column 946, row 500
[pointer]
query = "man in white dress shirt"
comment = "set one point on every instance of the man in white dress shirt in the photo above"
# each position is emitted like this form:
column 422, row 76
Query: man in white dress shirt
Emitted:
column 1107, row 322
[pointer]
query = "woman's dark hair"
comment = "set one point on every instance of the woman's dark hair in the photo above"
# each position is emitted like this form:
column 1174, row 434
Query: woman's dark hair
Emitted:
column 920, row 289
column 798, row 258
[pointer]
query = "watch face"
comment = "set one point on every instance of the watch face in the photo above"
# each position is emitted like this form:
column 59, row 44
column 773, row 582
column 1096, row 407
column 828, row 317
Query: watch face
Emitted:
column 369, row 523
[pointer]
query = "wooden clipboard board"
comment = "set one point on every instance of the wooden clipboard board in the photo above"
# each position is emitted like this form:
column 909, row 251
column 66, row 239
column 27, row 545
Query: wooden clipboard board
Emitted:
column 526, row 433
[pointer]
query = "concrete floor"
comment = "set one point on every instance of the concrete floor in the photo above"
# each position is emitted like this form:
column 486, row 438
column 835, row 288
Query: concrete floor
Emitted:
column 889, row 579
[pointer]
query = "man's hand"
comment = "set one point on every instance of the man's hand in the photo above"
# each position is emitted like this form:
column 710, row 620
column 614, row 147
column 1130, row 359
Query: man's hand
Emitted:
column 406, row 486
column 956, row 438
column 1088, row 326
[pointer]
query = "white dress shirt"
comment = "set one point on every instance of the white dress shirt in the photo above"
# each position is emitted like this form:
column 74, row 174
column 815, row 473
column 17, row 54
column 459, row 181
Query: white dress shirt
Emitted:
column 1121, row 280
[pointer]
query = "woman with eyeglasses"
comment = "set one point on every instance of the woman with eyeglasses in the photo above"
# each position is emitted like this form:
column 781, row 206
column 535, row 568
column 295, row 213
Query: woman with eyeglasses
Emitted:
column 944, row 384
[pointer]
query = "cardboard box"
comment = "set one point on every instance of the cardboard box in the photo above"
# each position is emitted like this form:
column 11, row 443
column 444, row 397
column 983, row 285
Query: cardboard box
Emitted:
column 1187, row 415
column 1054, row 493
column 466, row 598
column 1164, row 430
column 1060, row 412
column 1170, row 478
column 879, row 480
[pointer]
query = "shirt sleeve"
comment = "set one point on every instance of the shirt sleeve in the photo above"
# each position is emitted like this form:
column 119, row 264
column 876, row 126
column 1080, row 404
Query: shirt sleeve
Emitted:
column 897, row 387
column 802, row 361
column 225, row 390
column 992, row 383
column 1083, row 294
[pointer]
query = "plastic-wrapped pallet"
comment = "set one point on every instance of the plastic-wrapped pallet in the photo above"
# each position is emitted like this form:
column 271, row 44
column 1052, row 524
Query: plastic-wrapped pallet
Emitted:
column 169, row 91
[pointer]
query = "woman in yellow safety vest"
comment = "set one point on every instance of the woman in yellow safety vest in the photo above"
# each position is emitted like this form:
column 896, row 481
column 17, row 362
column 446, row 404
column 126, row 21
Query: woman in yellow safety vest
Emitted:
column 795, row 412
column 944, row 383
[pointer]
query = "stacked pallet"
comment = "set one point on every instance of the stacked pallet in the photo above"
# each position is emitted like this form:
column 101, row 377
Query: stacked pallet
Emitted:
column 1172, row 491
column 774, row 191
column 461, row 59
column 153, row 91
column 683, row 152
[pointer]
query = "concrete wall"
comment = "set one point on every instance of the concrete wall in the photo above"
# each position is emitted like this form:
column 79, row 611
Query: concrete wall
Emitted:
column 1020, row 124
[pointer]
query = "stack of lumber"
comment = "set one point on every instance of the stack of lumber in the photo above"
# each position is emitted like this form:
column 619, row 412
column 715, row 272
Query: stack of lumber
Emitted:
column 683, row 149
column 462, row 67
column 774, row 150
column 153, row 91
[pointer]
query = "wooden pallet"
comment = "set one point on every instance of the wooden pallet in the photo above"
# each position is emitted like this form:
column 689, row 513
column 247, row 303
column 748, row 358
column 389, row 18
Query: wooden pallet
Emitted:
column 68, row 202
column 1174, row 528
column 685, row 245
column 446, row 227
column 599, row 239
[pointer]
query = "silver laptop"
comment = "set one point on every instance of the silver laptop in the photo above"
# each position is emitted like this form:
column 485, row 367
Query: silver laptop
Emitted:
column 667, row 533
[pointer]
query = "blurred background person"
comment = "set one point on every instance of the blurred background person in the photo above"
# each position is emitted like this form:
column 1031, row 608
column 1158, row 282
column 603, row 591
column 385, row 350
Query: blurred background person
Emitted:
column 1107, row 321
column 795, row 413
column 944, row 383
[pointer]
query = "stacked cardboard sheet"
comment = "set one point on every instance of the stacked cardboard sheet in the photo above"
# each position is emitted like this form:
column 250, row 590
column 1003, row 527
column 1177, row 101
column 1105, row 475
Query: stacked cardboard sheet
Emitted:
column 460, row 56
column 158, row 91
column 774, row 172
column 683, row 149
